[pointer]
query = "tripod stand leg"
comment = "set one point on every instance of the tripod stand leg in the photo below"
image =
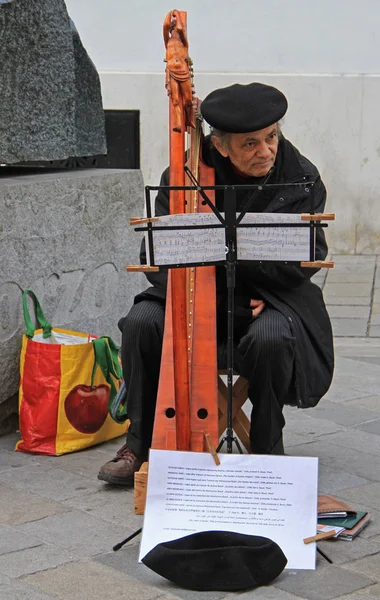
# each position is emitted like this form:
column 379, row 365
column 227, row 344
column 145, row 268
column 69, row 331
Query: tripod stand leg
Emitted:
column 128, row 539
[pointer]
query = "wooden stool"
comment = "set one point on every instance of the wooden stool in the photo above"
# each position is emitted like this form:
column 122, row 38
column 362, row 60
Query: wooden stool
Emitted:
column 240, row 422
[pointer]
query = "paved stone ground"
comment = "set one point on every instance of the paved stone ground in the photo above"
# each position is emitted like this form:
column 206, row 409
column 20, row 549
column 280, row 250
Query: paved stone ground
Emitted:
column 58, row 523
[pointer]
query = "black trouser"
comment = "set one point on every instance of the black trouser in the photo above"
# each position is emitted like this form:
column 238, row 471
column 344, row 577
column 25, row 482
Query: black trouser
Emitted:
column 264, row 355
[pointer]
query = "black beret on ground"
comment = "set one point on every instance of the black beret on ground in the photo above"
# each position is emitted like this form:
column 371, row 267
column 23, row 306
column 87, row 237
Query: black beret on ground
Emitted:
column 244, row 108
column 217, row 560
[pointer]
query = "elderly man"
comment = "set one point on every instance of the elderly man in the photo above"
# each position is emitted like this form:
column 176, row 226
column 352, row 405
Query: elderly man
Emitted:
column 282, row 330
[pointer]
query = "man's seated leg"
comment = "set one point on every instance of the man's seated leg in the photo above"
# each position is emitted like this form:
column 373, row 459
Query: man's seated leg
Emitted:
column 142, row 334
column 265, row 356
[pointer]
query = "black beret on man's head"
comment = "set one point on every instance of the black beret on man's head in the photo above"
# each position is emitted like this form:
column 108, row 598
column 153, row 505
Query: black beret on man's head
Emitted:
column 217, row 560
column 244, row 108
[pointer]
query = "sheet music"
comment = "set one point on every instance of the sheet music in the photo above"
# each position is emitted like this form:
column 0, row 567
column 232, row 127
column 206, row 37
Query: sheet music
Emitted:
column 273, row 243
column 188, row 245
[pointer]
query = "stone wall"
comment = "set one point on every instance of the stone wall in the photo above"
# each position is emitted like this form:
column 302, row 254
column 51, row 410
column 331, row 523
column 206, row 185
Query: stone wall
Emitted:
column 50, row 97
column 67, row 237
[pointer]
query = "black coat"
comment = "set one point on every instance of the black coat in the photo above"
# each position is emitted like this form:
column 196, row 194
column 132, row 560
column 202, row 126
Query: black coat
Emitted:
column 286, row 288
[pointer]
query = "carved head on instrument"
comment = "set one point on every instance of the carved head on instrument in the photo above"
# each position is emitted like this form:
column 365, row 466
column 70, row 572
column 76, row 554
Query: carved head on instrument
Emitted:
column 245, row 128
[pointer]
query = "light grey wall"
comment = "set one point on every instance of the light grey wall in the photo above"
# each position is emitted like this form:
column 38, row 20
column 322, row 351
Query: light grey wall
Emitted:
column 324, row 55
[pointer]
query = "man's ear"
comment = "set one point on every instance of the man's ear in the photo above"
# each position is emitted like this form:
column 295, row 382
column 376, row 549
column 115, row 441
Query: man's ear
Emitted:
column 219, row 146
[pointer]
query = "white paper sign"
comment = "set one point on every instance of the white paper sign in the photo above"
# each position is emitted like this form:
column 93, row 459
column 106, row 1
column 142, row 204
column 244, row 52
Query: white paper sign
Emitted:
column 269, row 496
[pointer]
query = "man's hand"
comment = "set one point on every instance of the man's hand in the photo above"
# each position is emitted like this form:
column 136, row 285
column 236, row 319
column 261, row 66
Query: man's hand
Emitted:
column 257, row 307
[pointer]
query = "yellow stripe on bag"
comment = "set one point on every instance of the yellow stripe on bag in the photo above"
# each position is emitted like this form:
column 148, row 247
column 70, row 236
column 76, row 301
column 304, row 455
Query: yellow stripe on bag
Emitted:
column 83, row 418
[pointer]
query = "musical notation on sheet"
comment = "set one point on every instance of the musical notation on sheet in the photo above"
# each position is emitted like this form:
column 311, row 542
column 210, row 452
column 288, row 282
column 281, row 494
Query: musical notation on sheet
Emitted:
column 273, row 243
column 185, row 246
column 208, row 244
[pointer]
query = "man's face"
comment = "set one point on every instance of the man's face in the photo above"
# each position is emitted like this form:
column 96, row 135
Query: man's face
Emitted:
column 252, row 154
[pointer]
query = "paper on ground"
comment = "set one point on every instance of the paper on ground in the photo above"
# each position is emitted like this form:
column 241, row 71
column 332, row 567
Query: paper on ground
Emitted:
column 270, row 496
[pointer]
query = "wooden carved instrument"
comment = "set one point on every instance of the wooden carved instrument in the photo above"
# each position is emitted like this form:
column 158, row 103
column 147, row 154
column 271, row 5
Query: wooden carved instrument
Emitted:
column 187, row 395
column 187, row 401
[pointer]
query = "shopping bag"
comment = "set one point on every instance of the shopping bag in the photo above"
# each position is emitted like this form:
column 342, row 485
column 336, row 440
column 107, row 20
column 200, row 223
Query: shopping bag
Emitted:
column 68, row 380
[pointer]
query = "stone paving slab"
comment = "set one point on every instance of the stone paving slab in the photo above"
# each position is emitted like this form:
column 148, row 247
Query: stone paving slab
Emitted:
column 11, row 541
column 371, row 426
column 110, row 503
column 331, row 482
column 31, row 560
column 267, row 593
column 346, row 290
column 354, row 415
column 323, row 584
column 348, row 311
column 58, row 485
column 18, row 506
column 349, row 327
column 340, row 458
column 367, row 566
column 370, row 403
column 342, row 552
column 88, row 580
column 373, row 591
column 331, row 298
column 358, row 440
column 18, row 591
column 374, row 331
column 76, row 531
column 368, row 495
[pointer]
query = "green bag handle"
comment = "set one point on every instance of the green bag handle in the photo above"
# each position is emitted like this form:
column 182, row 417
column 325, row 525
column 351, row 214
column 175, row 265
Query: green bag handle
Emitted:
column 40, row 317
column 107, row 358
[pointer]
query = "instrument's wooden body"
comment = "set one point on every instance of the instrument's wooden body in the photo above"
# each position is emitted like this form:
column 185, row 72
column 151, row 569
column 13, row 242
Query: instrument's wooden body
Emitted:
column 187, row 399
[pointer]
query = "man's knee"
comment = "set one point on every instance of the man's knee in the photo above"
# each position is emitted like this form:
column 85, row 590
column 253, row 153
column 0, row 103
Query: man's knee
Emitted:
column 143, row 324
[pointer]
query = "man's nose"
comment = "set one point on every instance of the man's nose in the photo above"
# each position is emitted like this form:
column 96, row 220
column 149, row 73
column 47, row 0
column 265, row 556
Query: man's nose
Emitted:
column 263, row 150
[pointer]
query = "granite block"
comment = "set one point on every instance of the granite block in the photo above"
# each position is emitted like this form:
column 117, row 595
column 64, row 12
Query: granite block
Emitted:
column 67, row 237
column 50, row 96
column 90, row 580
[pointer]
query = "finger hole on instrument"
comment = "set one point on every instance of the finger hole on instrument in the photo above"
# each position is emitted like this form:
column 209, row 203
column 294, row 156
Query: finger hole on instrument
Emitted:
column 170, row 413
column 202, row 413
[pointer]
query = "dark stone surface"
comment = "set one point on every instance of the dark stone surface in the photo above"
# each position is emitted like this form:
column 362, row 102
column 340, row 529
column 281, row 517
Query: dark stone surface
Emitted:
column 50, row 99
